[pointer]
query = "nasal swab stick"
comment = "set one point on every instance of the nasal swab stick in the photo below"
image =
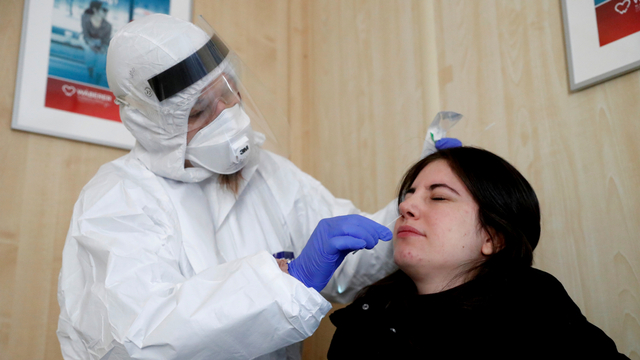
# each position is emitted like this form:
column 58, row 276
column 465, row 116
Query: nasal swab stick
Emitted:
column 393, row 221
column 389, row 224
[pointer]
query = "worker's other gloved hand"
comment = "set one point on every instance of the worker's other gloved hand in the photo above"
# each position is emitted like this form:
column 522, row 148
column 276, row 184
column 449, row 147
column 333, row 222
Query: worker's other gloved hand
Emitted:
column 330, row 242
column 447, row 143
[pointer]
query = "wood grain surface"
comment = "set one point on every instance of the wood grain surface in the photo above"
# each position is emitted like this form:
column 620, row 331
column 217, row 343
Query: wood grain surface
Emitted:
column 503, row 65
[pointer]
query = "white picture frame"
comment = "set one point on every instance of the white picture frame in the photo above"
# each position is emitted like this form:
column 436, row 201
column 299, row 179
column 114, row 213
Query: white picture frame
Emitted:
column 589, row 63
column 29, row 110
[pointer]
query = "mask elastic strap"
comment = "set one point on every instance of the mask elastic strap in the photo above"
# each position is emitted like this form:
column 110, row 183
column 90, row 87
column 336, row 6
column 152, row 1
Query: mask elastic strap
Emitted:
column 119, row 101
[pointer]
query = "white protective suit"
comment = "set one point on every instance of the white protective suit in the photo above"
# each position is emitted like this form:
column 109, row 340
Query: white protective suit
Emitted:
column 162, row 262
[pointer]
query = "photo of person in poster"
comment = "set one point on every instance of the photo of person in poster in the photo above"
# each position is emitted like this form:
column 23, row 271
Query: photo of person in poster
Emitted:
column 80, row 34
column 96, row 33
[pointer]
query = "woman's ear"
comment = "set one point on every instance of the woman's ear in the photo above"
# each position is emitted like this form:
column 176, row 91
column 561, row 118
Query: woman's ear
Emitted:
column 492, row 243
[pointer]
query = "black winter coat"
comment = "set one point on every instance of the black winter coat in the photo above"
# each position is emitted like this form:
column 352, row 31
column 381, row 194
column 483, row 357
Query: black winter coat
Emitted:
column 526, row 314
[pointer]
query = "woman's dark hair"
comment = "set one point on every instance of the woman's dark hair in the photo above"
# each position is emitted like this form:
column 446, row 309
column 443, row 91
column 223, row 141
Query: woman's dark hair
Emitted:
column 508, row 208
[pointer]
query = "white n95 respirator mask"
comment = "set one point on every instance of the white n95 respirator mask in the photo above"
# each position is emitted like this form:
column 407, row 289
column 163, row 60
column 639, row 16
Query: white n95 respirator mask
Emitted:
column 224, row 145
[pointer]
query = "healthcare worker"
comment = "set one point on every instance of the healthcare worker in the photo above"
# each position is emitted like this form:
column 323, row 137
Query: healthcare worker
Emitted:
column 171, row 252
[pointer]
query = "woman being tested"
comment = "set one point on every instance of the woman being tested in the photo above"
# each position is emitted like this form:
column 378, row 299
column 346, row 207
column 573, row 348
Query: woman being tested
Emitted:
column 465, row 288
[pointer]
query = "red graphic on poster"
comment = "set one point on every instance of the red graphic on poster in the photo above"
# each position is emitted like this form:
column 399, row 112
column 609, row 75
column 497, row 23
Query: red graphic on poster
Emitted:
column 617, row 19
column 81, row 99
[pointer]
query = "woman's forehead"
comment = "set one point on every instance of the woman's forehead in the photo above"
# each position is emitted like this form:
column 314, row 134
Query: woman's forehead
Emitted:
column 438, row 169
column 440, row 172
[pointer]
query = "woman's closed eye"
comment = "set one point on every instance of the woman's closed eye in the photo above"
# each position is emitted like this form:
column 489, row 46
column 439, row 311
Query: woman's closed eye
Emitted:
column 442, row 192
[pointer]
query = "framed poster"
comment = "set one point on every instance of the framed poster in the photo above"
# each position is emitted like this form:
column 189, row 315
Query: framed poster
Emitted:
column 602, row 38
column 61, row 87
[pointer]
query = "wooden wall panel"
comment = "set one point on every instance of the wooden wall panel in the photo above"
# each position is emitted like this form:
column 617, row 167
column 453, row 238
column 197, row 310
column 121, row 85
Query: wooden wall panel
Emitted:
column 40, row 180
column 368, row 86
column 258, row 31
column 502, row 64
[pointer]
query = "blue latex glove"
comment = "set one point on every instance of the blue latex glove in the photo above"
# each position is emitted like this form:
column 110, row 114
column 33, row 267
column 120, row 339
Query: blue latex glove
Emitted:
column 330, row 242
column 446, row 143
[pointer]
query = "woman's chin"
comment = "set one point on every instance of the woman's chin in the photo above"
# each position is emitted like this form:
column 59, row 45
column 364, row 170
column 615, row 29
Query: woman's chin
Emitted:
column 406, row 259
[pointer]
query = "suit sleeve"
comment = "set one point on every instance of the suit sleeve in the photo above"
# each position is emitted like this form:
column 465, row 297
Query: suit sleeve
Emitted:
column 305, row 202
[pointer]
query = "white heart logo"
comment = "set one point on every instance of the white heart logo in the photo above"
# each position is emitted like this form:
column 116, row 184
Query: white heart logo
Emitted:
column 622, row 7
column 68, row 90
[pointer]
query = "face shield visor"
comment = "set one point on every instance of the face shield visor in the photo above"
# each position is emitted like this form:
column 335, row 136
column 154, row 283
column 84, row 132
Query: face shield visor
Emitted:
column 219, row 132
column 210, row 84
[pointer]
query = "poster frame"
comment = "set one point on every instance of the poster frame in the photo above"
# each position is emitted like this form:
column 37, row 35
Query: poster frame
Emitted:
column 588, row 62
column 29, row 110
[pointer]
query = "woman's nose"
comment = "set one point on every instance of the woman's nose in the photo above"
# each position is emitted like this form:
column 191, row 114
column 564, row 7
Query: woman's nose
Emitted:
column 408, row 209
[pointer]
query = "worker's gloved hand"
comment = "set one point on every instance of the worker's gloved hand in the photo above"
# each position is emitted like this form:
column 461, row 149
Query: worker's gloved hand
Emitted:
column 447, row 143
column 330, row 242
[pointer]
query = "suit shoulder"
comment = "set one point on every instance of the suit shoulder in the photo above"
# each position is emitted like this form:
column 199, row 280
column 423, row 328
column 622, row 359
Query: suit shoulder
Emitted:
column 125, row 175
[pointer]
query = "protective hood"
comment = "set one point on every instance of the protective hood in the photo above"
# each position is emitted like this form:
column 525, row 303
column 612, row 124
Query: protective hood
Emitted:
column 141, row 52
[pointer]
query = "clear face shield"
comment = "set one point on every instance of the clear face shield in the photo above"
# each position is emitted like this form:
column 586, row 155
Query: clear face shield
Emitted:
column 211, row 98
column 219, row 132
column 221, row 94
